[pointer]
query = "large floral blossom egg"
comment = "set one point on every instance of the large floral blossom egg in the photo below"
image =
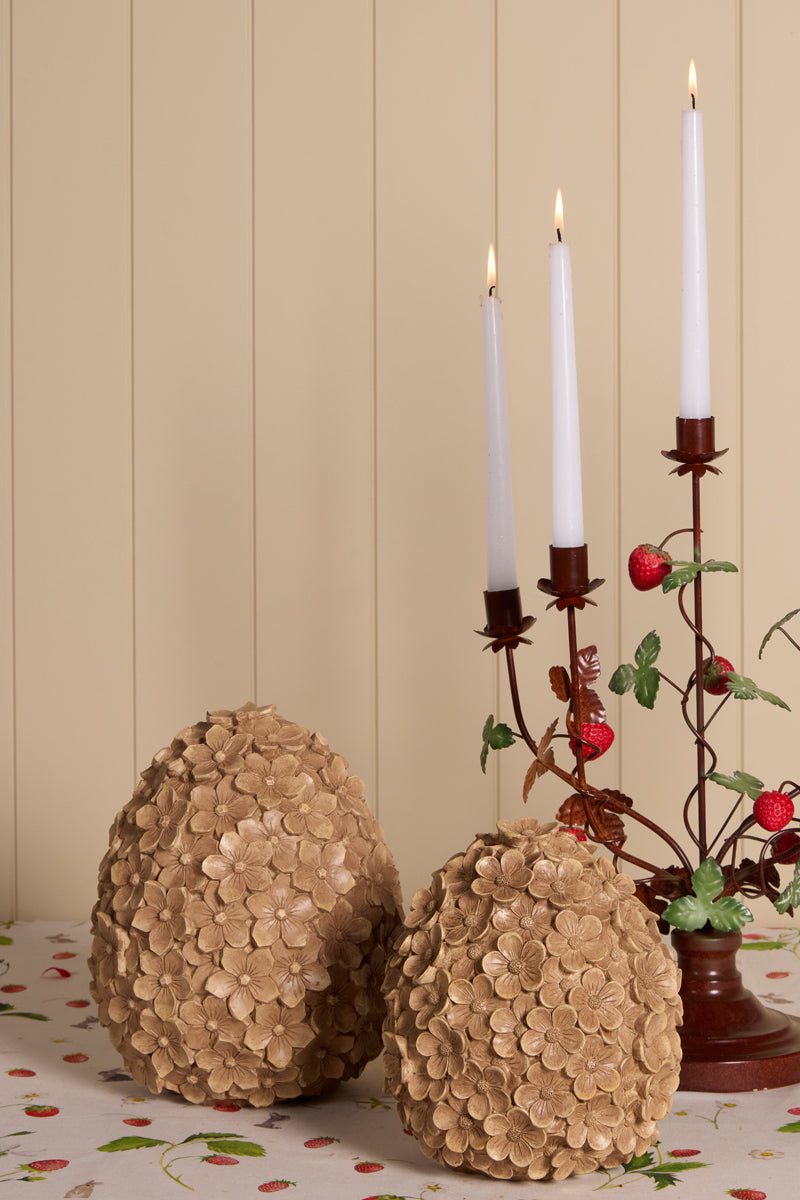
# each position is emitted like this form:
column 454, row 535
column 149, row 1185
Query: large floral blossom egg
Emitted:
column 244, row 906
column 531, row 1011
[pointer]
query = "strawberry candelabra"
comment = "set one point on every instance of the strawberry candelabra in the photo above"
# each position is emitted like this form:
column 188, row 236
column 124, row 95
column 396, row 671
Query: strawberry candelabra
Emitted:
column 730, row 1041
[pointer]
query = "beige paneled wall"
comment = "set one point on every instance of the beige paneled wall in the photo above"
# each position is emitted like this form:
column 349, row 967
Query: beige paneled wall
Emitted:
column 71, row 312
column 7, row 813
column 241, row 404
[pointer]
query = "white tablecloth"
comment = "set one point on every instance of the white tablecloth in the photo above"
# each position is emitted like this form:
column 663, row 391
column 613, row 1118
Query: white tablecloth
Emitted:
column 65, row 1098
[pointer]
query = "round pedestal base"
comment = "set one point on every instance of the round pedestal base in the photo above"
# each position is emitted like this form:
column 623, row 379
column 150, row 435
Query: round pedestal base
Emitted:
column 731, row 1042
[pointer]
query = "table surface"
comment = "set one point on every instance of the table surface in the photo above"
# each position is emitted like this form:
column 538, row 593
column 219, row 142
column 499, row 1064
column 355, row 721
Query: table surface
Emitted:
column 65, row 1096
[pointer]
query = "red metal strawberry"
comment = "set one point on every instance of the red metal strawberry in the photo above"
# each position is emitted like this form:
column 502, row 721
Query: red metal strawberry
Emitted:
column 715, row 675
column 574, row 830
column 137, row 1122
column 49, row 1164
column 366, row 1168
column 599, row 734
column 647, row 566
column 41, row 1110
column 315, row 1143
column 746, row 1194
column 276, row 1185
column 773, row 810
column 683, row 1153
column 788, row 841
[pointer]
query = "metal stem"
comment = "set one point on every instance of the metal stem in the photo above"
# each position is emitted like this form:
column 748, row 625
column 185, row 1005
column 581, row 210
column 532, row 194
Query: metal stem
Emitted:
column 698, row 666
column 575, row 695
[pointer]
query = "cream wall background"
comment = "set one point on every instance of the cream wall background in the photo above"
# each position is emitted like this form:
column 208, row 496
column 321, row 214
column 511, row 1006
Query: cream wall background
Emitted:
column 241, row 398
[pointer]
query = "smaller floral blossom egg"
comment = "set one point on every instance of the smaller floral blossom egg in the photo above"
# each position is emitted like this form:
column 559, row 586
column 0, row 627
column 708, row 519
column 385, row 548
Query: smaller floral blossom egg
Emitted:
column 531, row 1011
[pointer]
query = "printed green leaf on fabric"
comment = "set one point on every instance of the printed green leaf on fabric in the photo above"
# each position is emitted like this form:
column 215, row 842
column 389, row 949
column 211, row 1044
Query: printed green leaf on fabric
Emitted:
column 130, row 1143
column 246, row 1149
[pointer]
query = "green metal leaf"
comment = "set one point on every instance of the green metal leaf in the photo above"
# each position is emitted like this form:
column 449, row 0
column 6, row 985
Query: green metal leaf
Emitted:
column 692, row 912
column 645, row 689
column 790, row 896
column 495, row 737
column 708, row 881
column 772, row 629
column 728, row 914
column 623, row 679
column 643, row 677
column 648, row 649
column 687, row 913
column 745, row 689
column 740, row 781
column 683, row 573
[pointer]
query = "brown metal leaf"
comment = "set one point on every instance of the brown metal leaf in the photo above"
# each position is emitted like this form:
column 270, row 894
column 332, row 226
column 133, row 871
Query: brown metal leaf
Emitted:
column 619, row 797
column 588, row 665
column 572, row 812
column 544, row 760
column 592, row 707
column 609, row 826
column 559, row 682
column 747, row 873
column 532, row 775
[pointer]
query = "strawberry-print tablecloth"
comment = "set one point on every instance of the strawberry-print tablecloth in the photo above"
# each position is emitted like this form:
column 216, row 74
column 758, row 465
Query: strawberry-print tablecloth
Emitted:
column 74, row 1123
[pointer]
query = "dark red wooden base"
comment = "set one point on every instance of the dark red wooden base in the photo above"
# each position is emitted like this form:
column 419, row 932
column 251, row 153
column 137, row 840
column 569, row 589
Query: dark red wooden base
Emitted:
column 731, row 1042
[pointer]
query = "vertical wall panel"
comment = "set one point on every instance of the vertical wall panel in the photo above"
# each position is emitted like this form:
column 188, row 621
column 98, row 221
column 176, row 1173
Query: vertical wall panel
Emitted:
column 656, row 44
column 557, row 128
column 71, row 204
column 192, row 351
column 771, row 243
column 7, row 813
column 434, row 194
column 314, row 371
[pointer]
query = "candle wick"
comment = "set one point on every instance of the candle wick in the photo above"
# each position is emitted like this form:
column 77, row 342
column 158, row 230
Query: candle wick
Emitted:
column 694, row 101
column 493, row 288
column 558, row 234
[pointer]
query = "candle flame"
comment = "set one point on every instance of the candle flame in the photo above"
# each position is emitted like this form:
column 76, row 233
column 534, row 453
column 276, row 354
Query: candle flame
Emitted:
column 559, row 215
column 692, row 82
column 491, row 270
